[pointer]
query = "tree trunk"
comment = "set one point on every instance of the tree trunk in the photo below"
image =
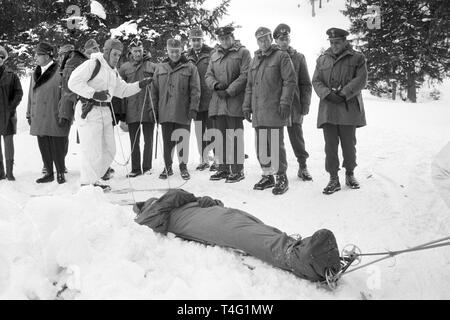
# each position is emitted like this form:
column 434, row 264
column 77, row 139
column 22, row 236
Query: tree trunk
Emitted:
column 394, row 90
column 412, row 87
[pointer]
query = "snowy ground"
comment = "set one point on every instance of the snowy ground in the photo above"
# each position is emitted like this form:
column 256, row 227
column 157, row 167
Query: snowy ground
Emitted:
column 81, row 240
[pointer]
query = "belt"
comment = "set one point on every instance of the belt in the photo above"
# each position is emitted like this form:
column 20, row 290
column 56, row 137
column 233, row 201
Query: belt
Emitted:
column 101, row 104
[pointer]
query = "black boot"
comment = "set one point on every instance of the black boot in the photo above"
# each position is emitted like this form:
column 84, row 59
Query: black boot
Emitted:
column 303, row 173
column 184, row 172
column 235, row 177
column 166, row 173
column 109, row 174
column 282, row 185
column 203, row 166
column 265, row 183
column 214, row 167
column 2, row 171
column 9, row 170
column 49, row 177
column 60, row 178
column 134, row 174
column 219, row 175
column 351, row 181
column 332, row 186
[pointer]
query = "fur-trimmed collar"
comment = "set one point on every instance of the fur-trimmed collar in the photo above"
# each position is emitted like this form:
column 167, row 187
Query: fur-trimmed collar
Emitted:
column 40, row 79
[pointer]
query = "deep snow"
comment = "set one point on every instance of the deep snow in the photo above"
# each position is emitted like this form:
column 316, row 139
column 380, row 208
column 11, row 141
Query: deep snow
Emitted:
column 81, row 240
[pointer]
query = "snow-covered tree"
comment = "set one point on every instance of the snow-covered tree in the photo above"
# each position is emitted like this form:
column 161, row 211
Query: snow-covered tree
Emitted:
column 412, row 43
column 26, row 22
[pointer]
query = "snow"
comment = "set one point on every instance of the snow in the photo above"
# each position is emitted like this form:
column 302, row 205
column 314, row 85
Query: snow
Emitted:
column 98, row 10
column 126, row 29
column 60, row 242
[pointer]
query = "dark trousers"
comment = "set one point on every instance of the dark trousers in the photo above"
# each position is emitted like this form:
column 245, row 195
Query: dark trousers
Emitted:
column 230, row 162
column 9, row 147
column 347, row 136
column 271, row 163
column 298, row 143
column 202, row 123
column 167, row 129
column 135, row 130
column 53, row 151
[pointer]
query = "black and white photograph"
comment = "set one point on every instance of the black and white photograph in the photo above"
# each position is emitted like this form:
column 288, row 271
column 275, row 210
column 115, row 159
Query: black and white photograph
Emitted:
column 240, row 152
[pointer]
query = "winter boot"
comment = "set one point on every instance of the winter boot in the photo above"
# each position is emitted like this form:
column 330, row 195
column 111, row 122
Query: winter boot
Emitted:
column 9, row 170
column 214, row 167
column 332, row 186
column 2, row 171
column 303, row 173
column 60, row 178
column 184, row 172
column 235, row 177
column 166, row 173
column 109, row 174
column 49, row 177
column 219, row 175
column 351, row 181
column 265, row 183
column 282, row 185
column 134, row 174
column 203, row 166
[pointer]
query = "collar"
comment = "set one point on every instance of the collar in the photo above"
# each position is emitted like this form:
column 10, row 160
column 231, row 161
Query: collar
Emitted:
column 45, row 68
column 261, row 55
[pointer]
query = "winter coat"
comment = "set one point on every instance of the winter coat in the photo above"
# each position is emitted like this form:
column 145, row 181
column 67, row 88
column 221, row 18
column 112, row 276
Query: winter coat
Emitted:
column 132, row 71
column 205, row 220
column 176, row 91
column 69, row 99
column 271, row 84
column 201, row 62
column 230, row 68
column 43, row 103
column 106, row 79
column 348, row 72
column 10, row 96
column 302, row 93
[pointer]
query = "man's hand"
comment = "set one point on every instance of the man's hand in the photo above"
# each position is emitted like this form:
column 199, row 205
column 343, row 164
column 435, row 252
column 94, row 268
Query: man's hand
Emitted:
column 285, row 112
column 63, row 122
column 223, row 94
column 192, row 115
column 220, row 86
column 101, row 95
column 335, row 97
column 248, row 116
column 145, row 82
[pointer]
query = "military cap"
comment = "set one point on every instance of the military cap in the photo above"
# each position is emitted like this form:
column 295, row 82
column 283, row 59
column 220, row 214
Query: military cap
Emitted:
column 262, row 31
column 91, row 43
column 281, row 30
column 336, row 33
column 195, row 34
column 135, row 43
column 66, row 49
column 45, row 48
column 224, row 31
column 173, row 44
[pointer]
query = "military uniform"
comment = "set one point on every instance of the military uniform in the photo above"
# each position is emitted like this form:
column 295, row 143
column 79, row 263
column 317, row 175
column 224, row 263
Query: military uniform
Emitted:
column 300, row 105
column 200, row 58
column 338, row 81
column 268, row 95
column 227, row 77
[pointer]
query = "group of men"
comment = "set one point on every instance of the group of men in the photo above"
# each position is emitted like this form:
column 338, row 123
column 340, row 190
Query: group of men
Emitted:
column 215, row 87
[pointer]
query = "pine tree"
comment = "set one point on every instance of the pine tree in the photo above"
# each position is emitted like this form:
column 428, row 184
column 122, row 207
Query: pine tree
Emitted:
column 412, row 43
column 25, row 23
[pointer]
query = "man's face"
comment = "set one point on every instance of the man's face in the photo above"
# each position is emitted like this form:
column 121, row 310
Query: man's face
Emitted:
column 137, row 53
column 2, row 59
column 337, row 45
column 114, row 57
column 41, row 59
column 90, row 51
column 174, row 54
column 265, row 42
column 283, row 42
column 227, row 41
column 196, row 43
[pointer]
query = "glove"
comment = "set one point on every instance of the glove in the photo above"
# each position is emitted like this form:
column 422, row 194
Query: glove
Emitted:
column 223, row 94
column 248, row 116
column 220, row 86
column 192, row 115
column 29, row 121
column 101, row 95
column 335, row 97
column 86, row 108
column 63, row 122
column 145, row 82
column 285, row 112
